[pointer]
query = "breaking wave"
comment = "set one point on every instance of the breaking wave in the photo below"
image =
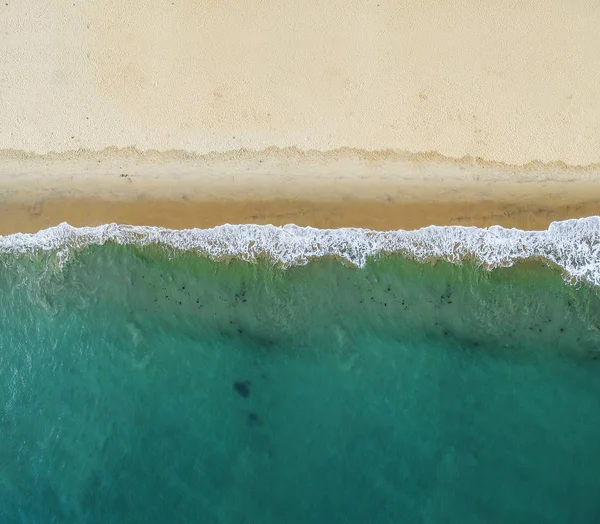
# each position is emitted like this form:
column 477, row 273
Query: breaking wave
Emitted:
column 574, row 245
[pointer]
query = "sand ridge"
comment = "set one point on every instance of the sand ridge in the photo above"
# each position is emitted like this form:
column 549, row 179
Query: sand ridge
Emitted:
column 250, row 156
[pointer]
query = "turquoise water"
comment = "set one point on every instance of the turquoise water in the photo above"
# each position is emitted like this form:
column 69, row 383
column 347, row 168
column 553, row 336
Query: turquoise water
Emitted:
column 137, row 386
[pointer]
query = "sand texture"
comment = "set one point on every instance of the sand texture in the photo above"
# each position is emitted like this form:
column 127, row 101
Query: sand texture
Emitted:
column 383, row 114
column 337, row 189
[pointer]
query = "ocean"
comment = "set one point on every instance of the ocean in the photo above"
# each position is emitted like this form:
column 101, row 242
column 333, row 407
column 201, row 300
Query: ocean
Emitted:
column 254, row 374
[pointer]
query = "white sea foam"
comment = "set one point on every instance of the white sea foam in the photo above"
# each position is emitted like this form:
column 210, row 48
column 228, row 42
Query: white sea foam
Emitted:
column 573, row 245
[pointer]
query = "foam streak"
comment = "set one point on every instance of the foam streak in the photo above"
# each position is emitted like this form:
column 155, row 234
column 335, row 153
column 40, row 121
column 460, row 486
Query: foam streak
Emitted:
column 573, row 245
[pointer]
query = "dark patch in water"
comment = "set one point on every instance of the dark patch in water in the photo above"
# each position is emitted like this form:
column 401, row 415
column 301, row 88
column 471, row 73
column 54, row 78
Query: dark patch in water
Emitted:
column 447, row 295
column 242, row 293
column 254, row 419
column 242, row 388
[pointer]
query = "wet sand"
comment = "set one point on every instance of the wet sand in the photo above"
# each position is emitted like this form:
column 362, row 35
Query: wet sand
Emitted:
column 344, row 188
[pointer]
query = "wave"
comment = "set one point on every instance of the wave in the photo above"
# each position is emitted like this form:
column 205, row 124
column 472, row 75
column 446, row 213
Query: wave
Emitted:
column 574, row 245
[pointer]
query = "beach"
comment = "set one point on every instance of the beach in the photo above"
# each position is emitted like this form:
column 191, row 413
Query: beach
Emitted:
column 344, row 188
column 385, row 116
column 235, row 285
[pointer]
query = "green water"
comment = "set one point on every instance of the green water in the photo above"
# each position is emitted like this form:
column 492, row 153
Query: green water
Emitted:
column 135, row 387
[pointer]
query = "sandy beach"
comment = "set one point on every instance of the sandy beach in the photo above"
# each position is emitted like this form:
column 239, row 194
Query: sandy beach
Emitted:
column 338, row 189
column 398, row 114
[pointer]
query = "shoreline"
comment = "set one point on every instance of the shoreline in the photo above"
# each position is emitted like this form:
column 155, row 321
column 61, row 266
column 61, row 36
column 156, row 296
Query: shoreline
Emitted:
column 570, row 245
column 375, row 215
column 382, row 190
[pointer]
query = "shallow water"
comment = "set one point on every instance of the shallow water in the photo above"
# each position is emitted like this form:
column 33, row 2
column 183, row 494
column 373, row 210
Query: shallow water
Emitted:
column 139, row 385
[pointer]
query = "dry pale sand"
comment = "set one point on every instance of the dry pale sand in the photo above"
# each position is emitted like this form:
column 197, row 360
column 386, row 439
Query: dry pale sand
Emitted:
column 504, row 93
